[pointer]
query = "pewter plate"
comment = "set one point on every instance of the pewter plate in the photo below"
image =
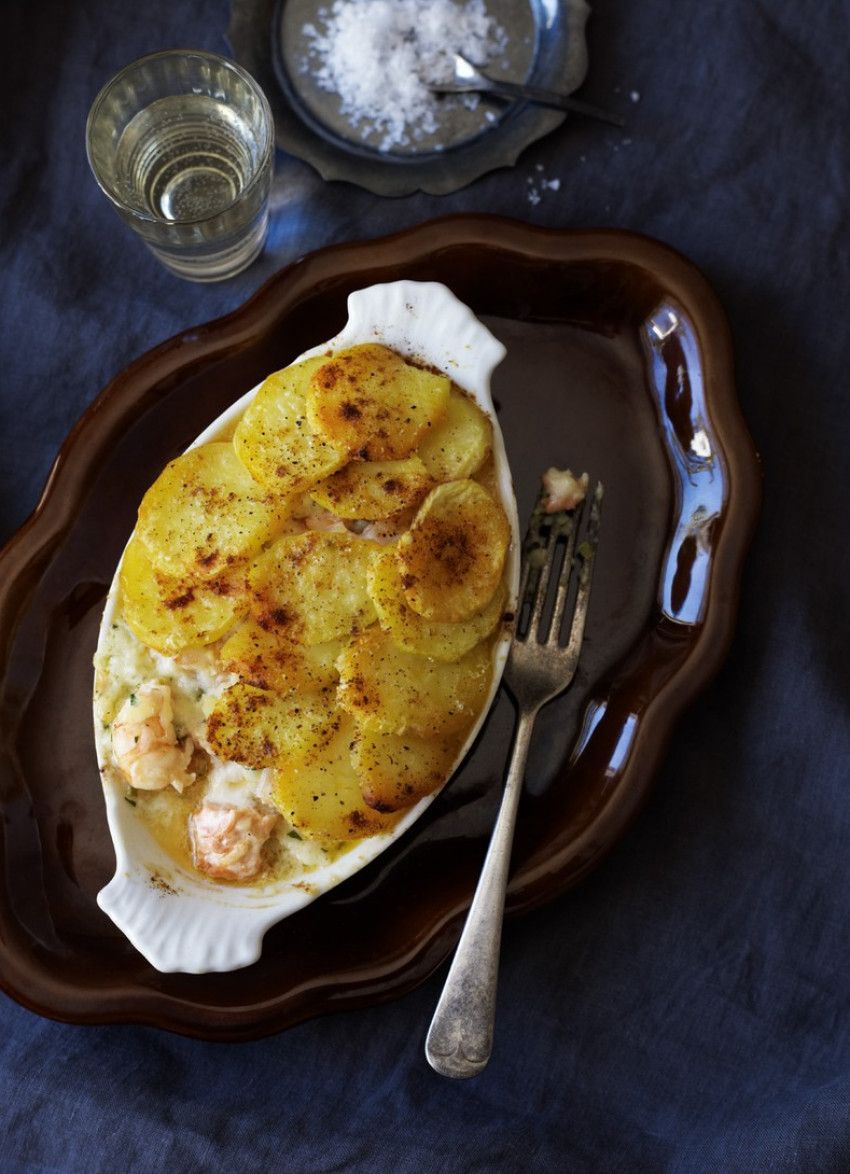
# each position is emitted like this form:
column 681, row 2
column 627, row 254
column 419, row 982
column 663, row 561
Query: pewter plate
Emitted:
column 546, row 47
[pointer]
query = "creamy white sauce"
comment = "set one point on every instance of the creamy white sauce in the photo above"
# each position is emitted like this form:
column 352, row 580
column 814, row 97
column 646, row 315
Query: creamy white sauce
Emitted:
column 122, row 665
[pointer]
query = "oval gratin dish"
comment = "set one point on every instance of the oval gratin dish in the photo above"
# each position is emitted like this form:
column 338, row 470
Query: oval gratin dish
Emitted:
column 177, row 917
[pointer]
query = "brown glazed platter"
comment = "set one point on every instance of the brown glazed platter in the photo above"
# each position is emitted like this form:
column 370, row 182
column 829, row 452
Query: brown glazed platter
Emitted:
column 619, row 363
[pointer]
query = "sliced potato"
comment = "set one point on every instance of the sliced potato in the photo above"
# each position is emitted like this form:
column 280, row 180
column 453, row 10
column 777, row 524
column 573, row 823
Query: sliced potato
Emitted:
column 411, row 631
column 274, row 441
column 460, row 443
column 322, row 798
column 392, row 691
column 370, row 403
column 262, row 658
column 397, row 770
column 261, row 729
column 312, row 587
column 452, row 557
column 172, row 615
column 374, row 489
column 205, row 512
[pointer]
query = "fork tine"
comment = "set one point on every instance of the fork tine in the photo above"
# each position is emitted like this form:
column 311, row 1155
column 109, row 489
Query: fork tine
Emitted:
column 568, row 529
column 533, row 559
column 525, row 593
column 587, row 555
column 541, row 585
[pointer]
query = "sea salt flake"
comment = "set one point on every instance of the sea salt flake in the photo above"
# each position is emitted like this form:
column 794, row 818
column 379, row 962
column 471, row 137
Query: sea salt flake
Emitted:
column 379, row 57
column 540, row 185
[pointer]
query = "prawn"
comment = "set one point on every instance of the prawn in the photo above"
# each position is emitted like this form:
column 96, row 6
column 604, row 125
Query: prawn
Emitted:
column 563, row 489
column 227, row 841
column 145, row 742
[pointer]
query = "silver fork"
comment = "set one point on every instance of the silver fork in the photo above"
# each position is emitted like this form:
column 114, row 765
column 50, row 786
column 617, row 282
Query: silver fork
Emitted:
column 538, row 669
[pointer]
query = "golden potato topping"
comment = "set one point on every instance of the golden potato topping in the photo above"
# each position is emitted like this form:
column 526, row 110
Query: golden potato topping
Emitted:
column 397, row 770
column 328, row 579
column 460, row 443
column 172, row 615
column 452, row 558
column 260, row 729
column 312, row 587
column 273, row 439
column 369, row 490
column 388, row 690
column 205, row 512
column 411, row 631
column 368, row 402
column 322, row 799
column 262, row 657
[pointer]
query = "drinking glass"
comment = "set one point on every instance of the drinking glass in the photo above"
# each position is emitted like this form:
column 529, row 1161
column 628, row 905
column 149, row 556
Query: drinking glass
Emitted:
column 182, row 143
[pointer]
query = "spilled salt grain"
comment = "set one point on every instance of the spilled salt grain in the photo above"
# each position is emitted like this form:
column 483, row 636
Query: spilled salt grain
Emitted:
column 536, row 189
column 379, row 57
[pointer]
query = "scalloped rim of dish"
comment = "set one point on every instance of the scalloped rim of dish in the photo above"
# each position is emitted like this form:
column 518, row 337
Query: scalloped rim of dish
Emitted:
column 185, row 922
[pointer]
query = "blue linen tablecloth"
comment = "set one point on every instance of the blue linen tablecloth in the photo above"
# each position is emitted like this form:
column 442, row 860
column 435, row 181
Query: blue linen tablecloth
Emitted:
column 687, row 1007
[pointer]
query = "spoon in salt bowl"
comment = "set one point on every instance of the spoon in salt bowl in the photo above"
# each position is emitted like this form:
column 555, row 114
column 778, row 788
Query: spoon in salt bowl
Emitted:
column 468, row 78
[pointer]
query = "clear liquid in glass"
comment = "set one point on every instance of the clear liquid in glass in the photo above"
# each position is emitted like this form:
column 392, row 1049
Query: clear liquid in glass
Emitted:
column 185, row 158
column 189, row 163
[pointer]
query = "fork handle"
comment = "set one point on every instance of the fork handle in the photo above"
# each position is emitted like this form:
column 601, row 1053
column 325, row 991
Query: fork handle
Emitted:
column 519, row 90
column 460, row 1037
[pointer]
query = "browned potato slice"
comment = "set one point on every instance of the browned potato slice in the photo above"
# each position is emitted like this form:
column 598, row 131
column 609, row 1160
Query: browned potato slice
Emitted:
column 261, row 729
column 264, row 659
column 312, row 587
column 273, row 439
column 374, row 489
column 397, row 771
column 413, row 632
column 171, row 615
column 205, row 512
column 322, row 799
column 461, row 442
column 452, row 557
column 369, row 402
column 392, row 691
